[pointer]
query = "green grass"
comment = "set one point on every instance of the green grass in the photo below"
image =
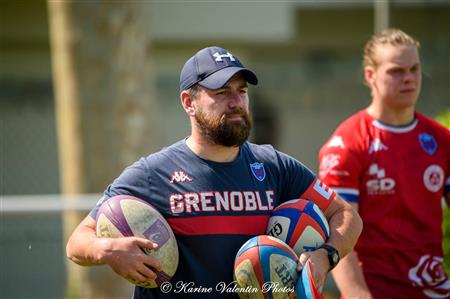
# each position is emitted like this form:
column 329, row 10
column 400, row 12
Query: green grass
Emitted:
column 446, row 232
column 444, row 118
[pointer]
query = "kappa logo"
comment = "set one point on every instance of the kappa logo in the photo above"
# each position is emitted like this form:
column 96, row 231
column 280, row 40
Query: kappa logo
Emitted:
column 336, row 141
column 220, row 56
column 180, row 177
column 377, row 146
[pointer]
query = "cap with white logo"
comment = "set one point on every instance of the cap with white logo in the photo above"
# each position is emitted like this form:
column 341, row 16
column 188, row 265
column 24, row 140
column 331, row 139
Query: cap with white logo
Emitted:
column 212, row 67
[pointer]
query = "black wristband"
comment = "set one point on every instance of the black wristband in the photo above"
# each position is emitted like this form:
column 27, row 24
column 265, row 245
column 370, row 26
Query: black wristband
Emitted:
column 333, row 255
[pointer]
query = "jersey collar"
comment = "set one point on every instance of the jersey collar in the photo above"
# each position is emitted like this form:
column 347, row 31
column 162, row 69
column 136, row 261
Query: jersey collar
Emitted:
column 395, row 129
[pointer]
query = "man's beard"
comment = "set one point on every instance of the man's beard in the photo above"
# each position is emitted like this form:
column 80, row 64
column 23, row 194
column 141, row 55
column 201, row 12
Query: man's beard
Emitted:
column 222, row 131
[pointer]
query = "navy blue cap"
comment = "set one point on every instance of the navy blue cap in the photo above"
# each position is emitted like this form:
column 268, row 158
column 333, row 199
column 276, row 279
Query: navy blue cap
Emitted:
column 212, row 67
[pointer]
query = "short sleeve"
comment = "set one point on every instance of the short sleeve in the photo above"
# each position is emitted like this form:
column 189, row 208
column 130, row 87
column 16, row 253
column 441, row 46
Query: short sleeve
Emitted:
column 134, row 180
column 300, row 182
column 340, row 167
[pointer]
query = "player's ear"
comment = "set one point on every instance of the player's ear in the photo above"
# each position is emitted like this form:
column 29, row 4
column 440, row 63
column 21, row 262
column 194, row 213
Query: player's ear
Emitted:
column 369, row 75
column 186, row 101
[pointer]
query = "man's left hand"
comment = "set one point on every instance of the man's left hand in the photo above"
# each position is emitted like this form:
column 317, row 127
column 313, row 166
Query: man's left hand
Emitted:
column 319, row 265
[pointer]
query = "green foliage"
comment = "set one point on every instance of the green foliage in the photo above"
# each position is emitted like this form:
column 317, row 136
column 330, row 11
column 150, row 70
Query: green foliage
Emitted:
column 446, row 231
column 444, row 118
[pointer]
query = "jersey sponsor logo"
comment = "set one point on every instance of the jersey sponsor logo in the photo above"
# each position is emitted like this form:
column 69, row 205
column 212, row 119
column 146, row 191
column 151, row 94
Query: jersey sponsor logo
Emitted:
column 258, row 171
column 180, row 177
column 218, row 57
column 336, row 141
column 433, row 178
column 377, row 146
column 430, row 276
column 327, row 165
column 428, row 143
column 381, row 184
column 215, row 201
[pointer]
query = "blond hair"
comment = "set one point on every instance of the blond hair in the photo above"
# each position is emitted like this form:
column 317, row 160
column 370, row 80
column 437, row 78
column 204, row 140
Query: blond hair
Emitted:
column 393, row 36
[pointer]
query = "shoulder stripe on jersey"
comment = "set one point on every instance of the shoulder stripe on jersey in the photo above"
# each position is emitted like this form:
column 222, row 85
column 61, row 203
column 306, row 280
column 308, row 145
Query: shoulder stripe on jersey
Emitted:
column 350, row 191
column 349, row 197
column 348, row 194
column 226, row 225
column 408, row 128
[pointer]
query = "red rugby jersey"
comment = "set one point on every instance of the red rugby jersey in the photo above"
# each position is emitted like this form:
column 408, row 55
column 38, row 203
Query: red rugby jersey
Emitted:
column 398, row 176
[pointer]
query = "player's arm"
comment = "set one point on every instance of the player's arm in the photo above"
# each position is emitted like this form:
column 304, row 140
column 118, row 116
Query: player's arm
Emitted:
column 345, row 228
column 123, row 255
column 349, row 277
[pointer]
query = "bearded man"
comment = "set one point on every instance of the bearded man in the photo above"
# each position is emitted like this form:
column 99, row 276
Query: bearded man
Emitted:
column 215, row 189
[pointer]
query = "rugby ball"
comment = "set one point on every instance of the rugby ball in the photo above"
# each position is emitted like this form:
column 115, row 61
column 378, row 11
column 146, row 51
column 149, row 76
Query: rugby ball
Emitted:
column 299, row 223
column 127, row 216
column 265, row 267
column 305, row 287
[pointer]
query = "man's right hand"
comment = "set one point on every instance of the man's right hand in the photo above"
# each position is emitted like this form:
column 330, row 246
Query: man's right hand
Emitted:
column 127, row 258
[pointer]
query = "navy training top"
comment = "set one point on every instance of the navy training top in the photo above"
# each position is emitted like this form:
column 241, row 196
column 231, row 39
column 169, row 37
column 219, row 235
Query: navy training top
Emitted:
column 212, row 208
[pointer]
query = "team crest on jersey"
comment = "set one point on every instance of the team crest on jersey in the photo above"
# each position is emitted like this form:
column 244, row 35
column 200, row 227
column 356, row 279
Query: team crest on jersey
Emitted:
column 433, row 178
column 258, row 171
column 428, row 143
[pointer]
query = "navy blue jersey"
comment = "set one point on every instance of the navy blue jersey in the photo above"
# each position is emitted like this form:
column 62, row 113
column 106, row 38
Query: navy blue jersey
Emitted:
column 213, row 208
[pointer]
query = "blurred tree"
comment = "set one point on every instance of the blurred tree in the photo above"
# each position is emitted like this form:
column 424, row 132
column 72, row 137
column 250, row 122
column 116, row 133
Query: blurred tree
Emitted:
column 107, row 115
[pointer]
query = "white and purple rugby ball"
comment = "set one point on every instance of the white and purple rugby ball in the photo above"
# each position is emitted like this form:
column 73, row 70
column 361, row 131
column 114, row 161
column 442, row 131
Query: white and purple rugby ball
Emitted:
column 127, row 216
